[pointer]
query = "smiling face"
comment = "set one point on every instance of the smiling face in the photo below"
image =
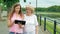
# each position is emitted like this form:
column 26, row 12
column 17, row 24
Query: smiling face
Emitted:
column 28, row 10
column 17, row 9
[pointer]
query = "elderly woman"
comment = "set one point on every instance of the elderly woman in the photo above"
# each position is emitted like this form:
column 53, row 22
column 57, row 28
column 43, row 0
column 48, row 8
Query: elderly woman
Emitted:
column 31, row 26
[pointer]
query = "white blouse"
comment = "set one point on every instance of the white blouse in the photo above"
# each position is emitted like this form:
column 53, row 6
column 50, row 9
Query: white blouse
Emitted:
column 31, row 22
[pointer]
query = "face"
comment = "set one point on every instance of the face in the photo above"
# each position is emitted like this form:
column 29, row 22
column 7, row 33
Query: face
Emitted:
column 17, row 9
column 28, row 10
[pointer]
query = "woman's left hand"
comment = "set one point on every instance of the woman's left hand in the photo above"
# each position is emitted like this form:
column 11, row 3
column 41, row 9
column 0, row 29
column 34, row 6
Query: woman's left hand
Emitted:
column 21, row 26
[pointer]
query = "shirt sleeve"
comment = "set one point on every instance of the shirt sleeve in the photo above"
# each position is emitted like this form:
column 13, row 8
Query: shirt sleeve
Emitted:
column 36, row 21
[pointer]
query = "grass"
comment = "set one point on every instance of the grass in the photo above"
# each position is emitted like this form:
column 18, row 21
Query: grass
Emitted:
column 50, row 14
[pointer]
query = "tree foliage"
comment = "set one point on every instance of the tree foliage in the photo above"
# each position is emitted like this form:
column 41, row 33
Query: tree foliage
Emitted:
column 50, row 9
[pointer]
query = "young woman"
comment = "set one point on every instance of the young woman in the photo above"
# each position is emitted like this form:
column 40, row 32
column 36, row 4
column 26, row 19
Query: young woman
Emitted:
column 31, row 26
column 16, row 14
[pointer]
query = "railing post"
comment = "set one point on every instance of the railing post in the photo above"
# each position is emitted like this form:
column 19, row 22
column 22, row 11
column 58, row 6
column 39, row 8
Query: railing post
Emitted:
column 40, row 20
column 45, row 24
column 54, row 27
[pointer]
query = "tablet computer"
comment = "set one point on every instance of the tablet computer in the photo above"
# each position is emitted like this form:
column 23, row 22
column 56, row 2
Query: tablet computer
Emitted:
column 20, row 22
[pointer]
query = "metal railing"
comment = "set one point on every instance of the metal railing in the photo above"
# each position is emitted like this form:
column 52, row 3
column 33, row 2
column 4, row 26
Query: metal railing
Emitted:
column 45, row 21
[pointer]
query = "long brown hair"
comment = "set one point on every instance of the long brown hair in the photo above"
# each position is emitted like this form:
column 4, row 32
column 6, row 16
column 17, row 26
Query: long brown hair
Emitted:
column 13, row 10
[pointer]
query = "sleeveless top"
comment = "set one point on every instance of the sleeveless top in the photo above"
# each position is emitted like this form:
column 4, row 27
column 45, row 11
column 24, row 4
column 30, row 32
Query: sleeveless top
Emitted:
column 15, row 27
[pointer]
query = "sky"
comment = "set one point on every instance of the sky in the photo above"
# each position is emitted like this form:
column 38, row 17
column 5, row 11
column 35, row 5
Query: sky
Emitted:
column 40, row 3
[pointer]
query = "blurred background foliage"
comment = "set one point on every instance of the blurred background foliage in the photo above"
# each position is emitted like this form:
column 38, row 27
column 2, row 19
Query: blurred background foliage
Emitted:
column 7, row 4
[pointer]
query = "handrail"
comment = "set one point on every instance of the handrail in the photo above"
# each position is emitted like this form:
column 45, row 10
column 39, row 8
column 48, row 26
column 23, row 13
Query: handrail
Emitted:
column 54, row 21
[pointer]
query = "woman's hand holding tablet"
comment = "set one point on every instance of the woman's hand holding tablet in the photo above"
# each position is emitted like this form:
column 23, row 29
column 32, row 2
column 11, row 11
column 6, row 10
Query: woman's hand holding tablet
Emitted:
column 20, row 23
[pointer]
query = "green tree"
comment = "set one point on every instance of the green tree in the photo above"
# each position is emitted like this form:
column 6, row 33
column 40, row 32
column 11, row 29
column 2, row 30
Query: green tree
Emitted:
column 9, row 3
column 1, row 4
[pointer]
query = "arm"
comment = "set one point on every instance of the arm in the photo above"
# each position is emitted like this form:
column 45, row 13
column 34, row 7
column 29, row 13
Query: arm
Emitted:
column 37, row 29
column 9, row 22
column 36, row 24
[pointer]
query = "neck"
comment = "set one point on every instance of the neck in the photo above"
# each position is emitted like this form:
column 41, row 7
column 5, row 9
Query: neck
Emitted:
column 16, row 13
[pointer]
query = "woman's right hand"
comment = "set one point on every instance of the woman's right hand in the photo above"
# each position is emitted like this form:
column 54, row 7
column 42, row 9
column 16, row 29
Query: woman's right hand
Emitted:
column 10, row 24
